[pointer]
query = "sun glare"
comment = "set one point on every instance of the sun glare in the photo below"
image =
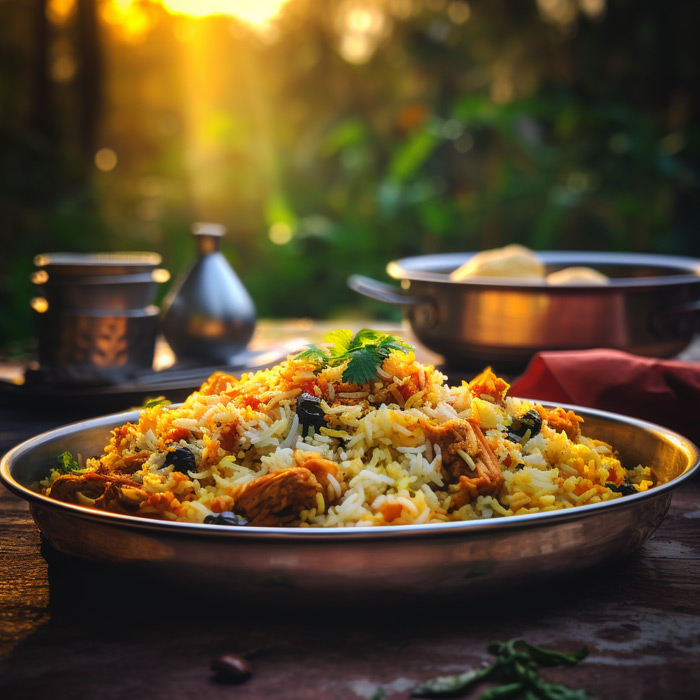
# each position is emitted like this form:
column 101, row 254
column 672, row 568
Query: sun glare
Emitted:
column 253, row 11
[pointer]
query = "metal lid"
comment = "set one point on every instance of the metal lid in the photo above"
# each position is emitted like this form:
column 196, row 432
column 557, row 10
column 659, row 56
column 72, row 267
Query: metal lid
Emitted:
column 97, row 263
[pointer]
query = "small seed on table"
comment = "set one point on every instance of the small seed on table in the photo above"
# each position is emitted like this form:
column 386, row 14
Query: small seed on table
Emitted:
column 231, row 668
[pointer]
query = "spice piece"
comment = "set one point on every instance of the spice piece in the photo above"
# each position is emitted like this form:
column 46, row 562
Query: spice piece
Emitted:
column 231, row 668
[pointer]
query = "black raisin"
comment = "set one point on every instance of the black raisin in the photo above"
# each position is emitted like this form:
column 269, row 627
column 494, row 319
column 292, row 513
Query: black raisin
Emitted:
column 310, row 412
column 182, row 460
column 624, row 489
column 531, row 421
column 227, row 518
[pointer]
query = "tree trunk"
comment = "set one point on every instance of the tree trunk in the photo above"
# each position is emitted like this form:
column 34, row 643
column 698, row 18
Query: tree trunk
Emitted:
column 41, row 85
column 89, row 75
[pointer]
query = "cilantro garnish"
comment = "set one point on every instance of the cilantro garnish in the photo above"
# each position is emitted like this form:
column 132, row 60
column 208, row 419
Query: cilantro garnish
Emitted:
column 516, row 670
column 365, row 352
column 66, row 462
column 158, row 401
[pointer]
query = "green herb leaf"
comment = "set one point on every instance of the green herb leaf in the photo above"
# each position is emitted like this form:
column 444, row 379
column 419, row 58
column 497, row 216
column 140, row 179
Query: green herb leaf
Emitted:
column 451, row 685
column 366, row 336
column 516, row 669
column 313, row 354
column 501, row 692
column 158, row 401
column 363, row 366
column 66, row 462
column 339, row 341
column 543, row 657
column 556, row 691
column 364, row 353
column 379, row 694
column 391, row 343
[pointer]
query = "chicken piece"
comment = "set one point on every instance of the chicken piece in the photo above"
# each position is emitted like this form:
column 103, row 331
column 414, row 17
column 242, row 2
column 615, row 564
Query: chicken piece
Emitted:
column 560, row 420
column 100, row 491
column 279, row 497
column 323, row 468
column 218, row 383
column 124, row 465
column 489, row 385
column 467, row 458
column 121, row 498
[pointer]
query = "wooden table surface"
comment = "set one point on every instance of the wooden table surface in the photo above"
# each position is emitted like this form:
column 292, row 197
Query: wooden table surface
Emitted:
column 75, row 629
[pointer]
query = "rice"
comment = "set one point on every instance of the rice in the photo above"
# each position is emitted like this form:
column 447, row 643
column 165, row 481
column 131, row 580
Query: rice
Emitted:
column 404, row 448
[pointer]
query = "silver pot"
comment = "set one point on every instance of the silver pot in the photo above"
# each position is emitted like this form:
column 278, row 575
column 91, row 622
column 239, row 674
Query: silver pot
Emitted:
column 650, row 307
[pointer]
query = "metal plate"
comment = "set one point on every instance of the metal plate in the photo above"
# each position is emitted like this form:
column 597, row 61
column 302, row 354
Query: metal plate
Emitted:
column 361, row 562
column 625, row 270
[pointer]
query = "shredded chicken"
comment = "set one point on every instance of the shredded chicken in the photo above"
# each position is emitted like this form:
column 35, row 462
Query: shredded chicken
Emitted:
column 560, row 420
column 480, row 472
column 126, row 465
column 277, row 498
column 323, row 468
column 103, row 491
column 487, row 384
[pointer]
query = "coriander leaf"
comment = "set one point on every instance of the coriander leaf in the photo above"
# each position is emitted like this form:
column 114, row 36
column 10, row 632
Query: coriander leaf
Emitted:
column 543, row 657
column 556, row 691
column 159, row 401
column 451, row 685
column 339, row 341
column 363, row 366
column 395, row 344
column 313, row 354
column 505, row 650
column 516, row 669
column 366, row 336
column 364, row 353
column 67, row 463
column 379, row 694
column 501, row 692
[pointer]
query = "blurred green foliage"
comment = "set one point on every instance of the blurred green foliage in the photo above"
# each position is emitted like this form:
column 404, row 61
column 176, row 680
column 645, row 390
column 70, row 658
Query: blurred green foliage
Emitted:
column 331, row 143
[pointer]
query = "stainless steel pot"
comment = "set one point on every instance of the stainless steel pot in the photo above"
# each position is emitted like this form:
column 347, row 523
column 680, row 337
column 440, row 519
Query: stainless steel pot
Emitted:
column 650, row 307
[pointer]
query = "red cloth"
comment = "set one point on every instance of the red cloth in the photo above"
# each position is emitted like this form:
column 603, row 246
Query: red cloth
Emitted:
column 666, row 392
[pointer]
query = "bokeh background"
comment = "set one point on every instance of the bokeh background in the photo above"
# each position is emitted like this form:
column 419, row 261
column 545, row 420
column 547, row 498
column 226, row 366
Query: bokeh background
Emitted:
column 331, row 136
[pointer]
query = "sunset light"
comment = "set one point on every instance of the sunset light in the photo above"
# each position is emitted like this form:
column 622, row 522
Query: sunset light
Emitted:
column 253, row 11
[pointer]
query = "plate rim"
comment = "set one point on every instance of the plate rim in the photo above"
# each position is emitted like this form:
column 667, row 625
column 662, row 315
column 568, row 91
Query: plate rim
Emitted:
column 421, row 268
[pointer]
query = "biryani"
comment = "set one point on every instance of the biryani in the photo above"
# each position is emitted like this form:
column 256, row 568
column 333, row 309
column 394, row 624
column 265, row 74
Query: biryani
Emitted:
column 353, row 433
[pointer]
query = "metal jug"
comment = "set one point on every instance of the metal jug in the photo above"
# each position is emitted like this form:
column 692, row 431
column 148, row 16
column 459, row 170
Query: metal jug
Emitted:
column 209, row 315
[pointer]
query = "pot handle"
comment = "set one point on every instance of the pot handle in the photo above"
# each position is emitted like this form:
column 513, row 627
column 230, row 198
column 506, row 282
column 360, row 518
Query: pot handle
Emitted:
column 690, row 307
column 421, row 311
column 675, row 320
column 381, row 291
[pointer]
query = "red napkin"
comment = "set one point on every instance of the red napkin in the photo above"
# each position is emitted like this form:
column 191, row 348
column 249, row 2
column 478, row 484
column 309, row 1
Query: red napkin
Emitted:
column 666, row 392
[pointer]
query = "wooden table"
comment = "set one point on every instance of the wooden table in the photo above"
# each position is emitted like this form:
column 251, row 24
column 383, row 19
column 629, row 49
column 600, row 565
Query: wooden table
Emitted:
column 74, row 629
